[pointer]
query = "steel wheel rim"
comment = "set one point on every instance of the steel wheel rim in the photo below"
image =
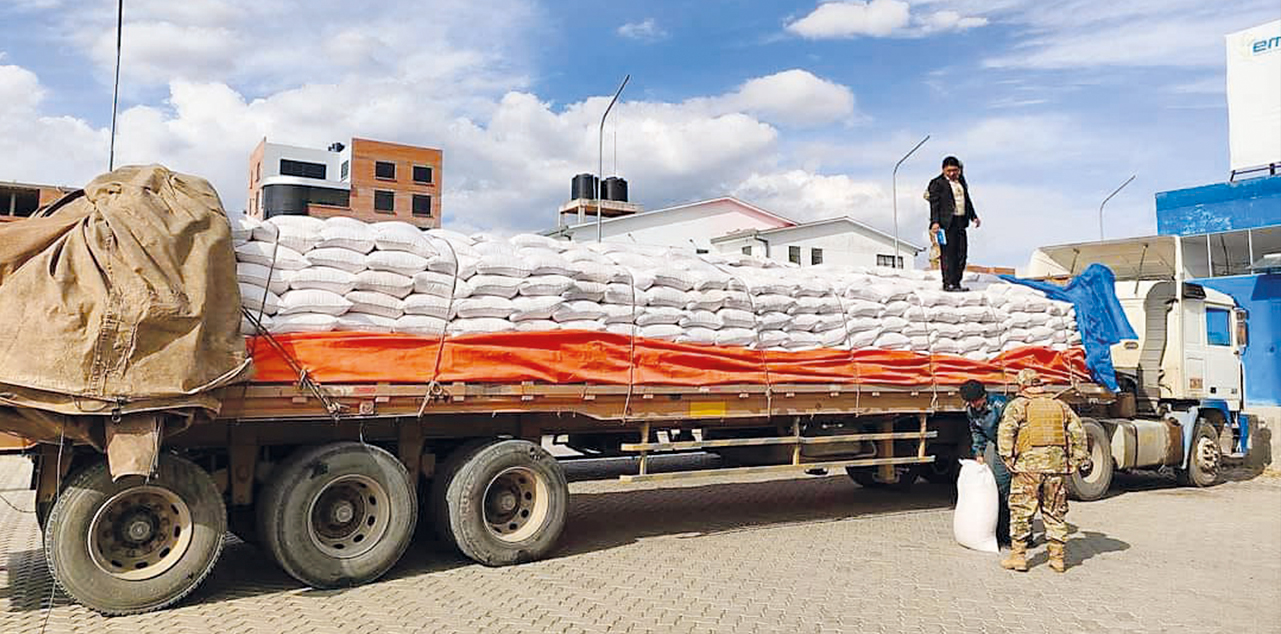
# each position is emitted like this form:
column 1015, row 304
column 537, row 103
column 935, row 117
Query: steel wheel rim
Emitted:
column 1096, row 456
column 349, row 516
column 516, row 504
column 140, row 533
column 1207, row 455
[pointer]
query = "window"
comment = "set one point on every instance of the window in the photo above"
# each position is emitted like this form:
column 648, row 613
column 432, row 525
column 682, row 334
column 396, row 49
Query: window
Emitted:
column 293, row 200
column 302, row 168
column 747, row 250
column 384, row 169
column 422, row 205
column 794, row 255
column 344, row 170
column 1218, row 331
column 384, row 201
column 422, row 174
column 890, row 261
column 816, row 256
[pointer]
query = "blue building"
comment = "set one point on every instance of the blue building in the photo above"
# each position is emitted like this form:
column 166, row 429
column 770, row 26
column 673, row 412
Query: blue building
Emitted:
column 1230, row 235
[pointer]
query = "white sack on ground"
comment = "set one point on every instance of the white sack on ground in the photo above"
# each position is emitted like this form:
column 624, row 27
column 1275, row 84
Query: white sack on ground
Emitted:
column 977, row 500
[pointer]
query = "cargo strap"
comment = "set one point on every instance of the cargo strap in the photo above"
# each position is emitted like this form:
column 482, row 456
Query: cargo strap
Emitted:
column 929, row 351
column 332, row 407
column 435, row 390
column 769, row 387
column 849, row 343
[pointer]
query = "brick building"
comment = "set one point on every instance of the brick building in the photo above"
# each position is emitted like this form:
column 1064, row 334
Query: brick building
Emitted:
column 20, row 200
column 369, row 180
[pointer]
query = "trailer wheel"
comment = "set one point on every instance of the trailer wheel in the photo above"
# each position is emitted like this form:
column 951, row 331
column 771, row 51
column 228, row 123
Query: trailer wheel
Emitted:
column 866, row 477
column 1094, row 484
column 507, row 503
column 337, row 515
column 436, row 509
column 1203, row 463
column 135, row 544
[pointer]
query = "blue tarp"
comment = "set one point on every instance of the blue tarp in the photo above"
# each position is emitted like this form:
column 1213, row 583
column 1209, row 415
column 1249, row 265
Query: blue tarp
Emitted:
column 1099, row 316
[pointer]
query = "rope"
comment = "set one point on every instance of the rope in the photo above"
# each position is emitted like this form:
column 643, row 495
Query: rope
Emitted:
column 57, row 491
column 769, row 384
column 929, row 351
column 631, row 353
column 434, row 389
column 849, row 343
column 332, row 408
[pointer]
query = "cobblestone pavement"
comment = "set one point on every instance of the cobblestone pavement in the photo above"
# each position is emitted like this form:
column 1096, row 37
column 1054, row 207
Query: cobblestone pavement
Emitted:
column 750, row 555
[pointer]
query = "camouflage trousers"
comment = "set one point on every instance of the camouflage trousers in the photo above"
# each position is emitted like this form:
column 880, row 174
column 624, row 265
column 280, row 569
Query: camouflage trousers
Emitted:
column 1044, row 491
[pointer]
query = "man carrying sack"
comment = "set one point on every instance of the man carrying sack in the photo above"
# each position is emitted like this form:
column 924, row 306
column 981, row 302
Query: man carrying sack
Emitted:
column 1042, row 441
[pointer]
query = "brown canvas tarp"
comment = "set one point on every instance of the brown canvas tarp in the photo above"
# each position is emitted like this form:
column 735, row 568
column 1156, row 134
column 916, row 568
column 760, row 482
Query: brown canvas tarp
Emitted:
column 119, row 300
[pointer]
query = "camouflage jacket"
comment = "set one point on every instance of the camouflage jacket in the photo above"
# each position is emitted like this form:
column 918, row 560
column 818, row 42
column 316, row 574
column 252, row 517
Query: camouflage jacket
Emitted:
column 1040, row 459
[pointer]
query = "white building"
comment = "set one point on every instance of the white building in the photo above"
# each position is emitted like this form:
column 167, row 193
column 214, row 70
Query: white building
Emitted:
column 729, row 225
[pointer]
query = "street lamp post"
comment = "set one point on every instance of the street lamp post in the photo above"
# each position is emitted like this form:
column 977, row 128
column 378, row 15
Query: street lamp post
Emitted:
column 1105, row 201
column 600, row 156
column 115, row 96
column 894, row 195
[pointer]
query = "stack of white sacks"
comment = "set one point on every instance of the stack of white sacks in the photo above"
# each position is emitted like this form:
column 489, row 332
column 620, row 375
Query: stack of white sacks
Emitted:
column 303, row 274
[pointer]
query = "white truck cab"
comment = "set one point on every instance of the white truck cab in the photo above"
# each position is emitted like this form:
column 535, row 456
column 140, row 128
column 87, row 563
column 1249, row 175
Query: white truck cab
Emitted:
column 1181, row 381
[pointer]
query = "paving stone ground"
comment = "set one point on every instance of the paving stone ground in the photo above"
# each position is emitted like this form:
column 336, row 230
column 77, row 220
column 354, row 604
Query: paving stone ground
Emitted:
column 815, row 555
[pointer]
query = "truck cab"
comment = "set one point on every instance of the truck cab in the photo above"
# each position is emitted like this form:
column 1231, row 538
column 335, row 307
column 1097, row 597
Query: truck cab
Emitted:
column 1181, row 382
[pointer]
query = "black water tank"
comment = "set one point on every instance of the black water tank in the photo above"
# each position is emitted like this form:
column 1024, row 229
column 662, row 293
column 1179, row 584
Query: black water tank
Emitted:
column 615, row 189
column 583, row 187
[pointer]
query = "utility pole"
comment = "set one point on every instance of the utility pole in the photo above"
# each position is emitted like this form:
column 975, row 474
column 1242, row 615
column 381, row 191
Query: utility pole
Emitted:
column 894, row 195
column 600, row 157
column 115, row 96
column 1105, row 201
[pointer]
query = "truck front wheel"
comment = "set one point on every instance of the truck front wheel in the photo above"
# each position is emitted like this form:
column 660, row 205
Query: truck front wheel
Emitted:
column 1093, row 484
column 1203, row 463
column 338, row 515
column 506, row 503
column 135, row 545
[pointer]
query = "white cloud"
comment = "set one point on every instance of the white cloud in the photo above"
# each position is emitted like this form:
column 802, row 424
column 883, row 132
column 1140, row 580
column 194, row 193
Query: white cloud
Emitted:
column 795, row 97
column 39, row 148
column 1072, row 34
column 646, row 30
column 877, row 18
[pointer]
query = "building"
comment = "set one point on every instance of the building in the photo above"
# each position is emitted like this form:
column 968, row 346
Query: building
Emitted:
column 1222, row 236
column 729, row 225
column 369, row 180
column 20, row 200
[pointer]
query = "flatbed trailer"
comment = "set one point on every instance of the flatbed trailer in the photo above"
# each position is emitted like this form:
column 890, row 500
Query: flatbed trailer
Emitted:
column 332, row 480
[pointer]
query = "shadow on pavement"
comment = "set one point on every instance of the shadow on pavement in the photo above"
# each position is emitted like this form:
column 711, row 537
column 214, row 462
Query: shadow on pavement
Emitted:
column 1081, row 547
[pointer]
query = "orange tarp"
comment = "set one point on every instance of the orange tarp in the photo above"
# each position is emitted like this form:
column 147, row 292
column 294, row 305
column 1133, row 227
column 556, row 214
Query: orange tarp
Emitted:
column 607, row 358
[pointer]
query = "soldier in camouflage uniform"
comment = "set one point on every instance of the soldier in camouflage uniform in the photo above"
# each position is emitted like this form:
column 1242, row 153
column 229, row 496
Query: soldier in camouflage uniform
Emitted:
column 1042, row 441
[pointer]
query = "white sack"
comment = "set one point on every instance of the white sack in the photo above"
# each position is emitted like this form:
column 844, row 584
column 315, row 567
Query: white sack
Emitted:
column 977, row 505
column 400, row 262
column 257, row 274
column 270, row 254
column 365, row 322
column 346, row 233
column 323, row 278
column 258, row 299
column 387, row 282
column 336, row 258
column 396, row 235
column 375, row 303
column 312, row 301
column 303, row 322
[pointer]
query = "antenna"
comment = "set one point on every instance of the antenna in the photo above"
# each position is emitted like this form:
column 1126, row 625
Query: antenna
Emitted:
column 115, row 96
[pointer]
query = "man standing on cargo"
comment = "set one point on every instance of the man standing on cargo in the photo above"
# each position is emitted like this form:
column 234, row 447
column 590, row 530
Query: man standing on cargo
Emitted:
column 951, row 211
column 984, row 412
column 1042, row 441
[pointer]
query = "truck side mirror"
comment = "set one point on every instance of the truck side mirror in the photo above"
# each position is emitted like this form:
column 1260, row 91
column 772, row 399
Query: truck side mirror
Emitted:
column 1243, row 330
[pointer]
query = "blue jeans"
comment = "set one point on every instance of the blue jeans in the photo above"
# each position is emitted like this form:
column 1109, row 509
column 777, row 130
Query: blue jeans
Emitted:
column 1002, row 476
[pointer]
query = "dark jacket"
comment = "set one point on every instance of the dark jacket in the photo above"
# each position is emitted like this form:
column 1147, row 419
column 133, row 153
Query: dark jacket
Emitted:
column 943, row 203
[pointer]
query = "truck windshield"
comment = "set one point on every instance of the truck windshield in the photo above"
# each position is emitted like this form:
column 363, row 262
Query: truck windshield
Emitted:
column 1218, row 332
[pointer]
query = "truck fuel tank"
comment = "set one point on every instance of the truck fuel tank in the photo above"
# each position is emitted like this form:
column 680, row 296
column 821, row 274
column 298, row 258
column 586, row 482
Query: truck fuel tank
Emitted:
column 1146, row 443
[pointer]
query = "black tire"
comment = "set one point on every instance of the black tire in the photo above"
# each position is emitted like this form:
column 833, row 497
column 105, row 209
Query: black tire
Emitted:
column 337, row 515
column 436, row 508
column 1204, row 459
column 1095, row 484
column 944, row 470
column 866, row 477
column 181, row 513
column 507, row 503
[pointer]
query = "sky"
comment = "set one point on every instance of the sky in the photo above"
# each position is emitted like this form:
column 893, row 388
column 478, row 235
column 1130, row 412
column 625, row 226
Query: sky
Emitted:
column 802, row 108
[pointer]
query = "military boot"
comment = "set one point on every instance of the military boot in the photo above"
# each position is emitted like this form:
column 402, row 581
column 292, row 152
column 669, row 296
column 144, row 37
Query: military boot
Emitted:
column 1056, row 556
column 1017, row 559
